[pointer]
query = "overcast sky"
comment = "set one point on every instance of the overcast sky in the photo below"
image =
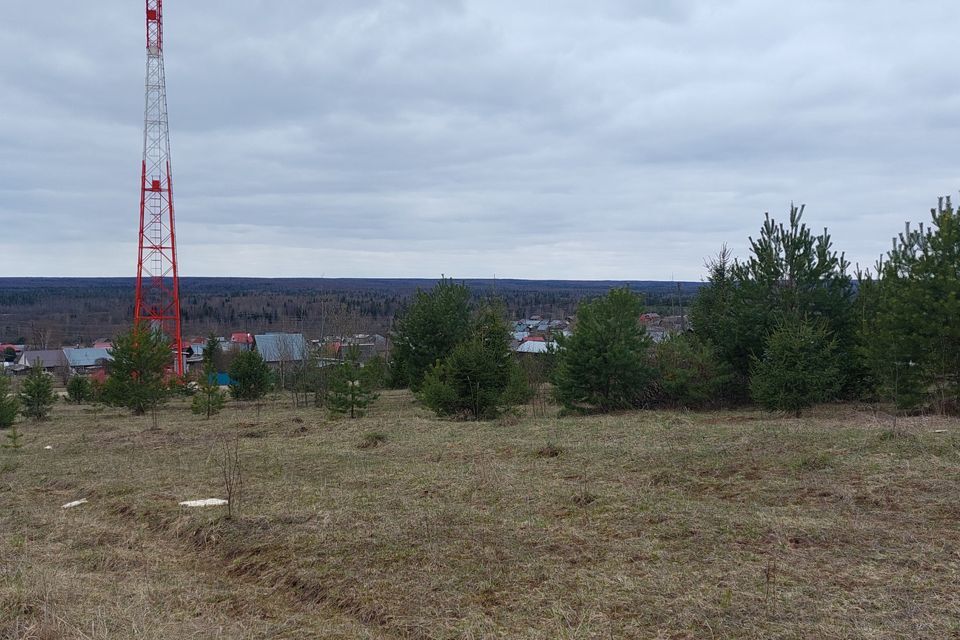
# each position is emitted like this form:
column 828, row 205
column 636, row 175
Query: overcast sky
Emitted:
column 622, row 139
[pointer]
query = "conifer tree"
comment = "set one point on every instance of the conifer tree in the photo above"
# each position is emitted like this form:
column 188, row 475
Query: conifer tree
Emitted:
column 36, row 396
column 79, row 389
column 603, row 366
column 428, row 330
column 480, row 377
column 9, row 403
column 910, row 333
column 138, row 372
column 791, row 273
column 799, row 367
column 250, row 377
column 351, row 391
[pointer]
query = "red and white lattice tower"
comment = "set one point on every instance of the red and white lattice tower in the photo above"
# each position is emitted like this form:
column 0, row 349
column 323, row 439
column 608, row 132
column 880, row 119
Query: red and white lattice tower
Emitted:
column 158, row 283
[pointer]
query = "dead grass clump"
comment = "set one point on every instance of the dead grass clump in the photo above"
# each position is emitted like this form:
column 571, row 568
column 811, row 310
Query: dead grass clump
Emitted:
column 816, row 461
column 549, row 450
column 584, row 497
column 372, row 440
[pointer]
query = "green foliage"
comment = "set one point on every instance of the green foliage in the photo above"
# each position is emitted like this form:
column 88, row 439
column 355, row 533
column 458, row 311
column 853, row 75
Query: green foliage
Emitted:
column 79, row 389
column 799, row 367
column 603, row 366
column 36, row 395
column 138, row 372
column 376, row 372
column 689, row 374
column 9, row 403
column 428, row 331
column 212, row 354
column 790, row 273
column 14, row 440
column 209, row 399
column 910, row 335
column 351, row 390
column 250, row 376
column 9, row 354
column 480, row 377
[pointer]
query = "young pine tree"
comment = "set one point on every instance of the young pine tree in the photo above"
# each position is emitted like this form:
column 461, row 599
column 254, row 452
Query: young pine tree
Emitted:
column 351, row 391
column 250, row 376
column 910, row 336
column 791, row 272
column 9, row 404
column 604, row 366
column 138, row 372
column 36, row 396
column 480, row 378
column 428, row 330
column 79, row 389
column 799, row 367
column 209, row 399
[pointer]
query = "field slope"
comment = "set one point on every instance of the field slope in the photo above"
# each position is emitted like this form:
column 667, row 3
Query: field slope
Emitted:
column 400, row 525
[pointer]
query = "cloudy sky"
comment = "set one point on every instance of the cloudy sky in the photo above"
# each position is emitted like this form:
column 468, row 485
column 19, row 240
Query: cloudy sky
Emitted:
column 540, row 139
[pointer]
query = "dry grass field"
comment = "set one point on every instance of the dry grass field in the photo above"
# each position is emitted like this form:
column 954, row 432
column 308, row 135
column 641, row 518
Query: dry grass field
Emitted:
column 641, row 525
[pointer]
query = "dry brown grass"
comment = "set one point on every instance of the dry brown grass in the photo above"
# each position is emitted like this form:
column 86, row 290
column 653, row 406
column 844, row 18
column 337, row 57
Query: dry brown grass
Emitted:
column 645, row 525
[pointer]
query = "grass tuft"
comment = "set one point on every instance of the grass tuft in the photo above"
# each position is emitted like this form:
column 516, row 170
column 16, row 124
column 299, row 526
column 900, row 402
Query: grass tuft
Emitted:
column 372, row 440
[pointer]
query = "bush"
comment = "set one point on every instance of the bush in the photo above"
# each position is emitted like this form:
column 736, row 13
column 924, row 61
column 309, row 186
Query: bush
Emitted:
column 249, row 376
column 480, row 378
column 79, row 389
column 603, row 366
column 799, row 367
column 9, row 404
column 689, row 374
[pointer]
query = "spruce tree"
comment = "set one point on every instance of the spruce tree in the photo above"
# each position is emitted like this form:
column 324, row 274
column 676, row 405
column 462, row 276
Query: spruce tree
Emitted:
column 36, row 396
column 604, row 366
column 799, row 367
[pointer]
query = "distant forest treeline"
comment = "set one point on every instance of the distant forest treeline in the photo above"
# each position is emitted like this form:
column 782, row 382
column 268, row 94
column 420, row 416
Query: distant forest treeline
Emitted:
column 49, row 312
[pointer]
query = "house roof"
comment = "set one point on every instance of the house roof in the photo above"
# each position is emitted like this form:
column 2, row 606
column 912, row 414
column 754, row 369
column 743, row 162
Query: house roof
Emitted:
column 277, row 347
column 49, row 357
column 86, row 357
column 241, row 337
column 534, row 346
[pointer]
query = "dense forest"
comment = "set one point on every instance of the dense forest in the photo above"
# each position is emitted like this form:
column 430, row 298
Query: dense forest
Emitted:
column 49, row 312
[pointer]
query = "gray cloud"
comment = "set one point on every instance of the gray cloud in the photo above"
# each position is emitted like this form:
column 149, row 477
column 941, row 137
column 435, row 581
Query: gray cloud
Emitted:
column 613, row 139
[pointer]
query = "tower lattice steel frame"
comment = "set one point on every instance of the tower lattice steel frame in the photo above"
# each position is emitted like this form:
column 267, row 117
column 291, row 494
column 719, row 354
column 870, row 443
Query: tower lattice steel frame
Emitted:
column 158, row 282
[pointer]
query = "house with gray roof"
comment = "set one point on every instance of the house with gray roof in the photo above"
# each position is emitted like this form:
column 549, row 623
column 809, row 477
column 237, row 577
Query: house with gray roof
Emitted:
column 84, row 360
column 49, row 359
column 281, row 347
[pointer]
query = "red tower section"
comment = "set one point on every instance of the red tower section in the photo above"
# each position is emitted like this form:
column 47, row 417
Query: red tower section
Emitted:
column 158, row 283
